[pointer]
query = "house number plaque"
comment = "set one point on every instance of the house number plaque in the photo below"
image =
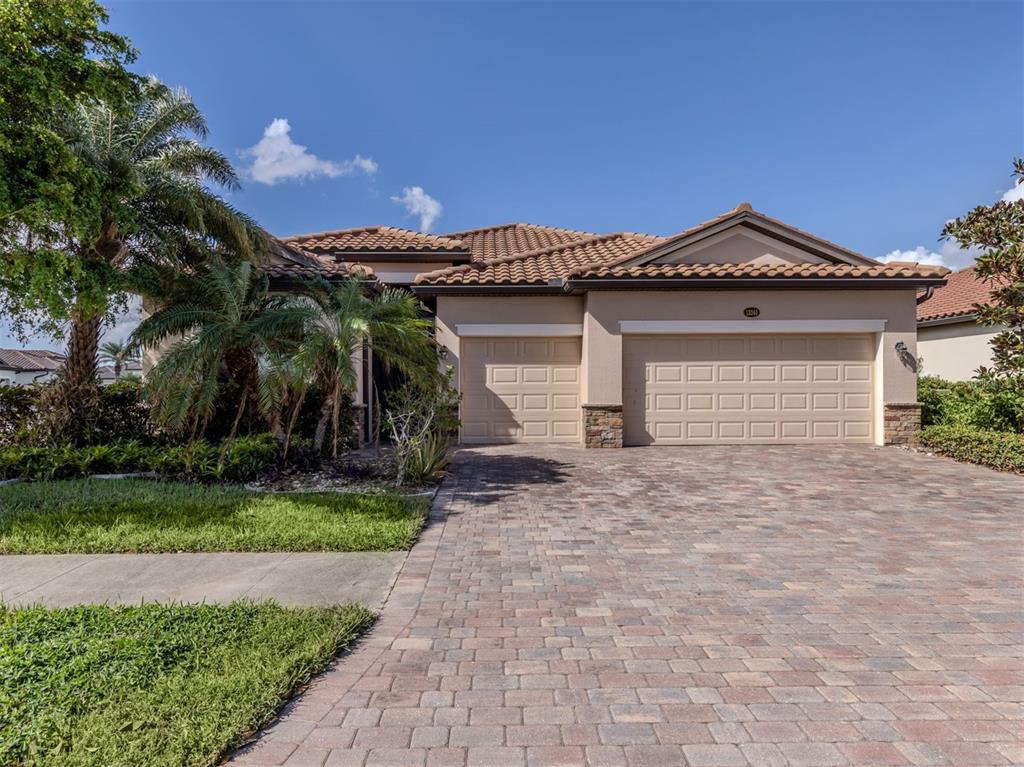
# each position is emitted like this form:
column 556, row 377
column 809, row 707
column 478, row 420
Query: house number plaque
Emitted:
column 751, row 311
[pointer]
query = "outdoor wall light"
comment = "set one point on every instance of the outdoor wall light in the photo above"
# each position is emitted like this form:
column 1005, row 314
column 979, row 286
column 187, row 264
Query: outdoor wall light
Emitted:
column 901, row 347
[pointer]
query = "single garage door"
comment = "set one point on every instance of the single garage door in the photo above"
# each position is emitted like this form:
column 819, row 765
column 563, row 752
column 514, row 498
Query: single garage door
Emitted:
column 520, row 390
column 734, row 389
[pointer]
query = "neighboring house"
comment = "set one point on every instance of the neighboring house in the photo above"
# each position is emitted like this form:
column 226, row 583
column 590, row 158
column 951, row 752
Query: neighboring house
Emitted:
column 129, row 369
column 24, row 367
column 950, row 343
column 740, row 330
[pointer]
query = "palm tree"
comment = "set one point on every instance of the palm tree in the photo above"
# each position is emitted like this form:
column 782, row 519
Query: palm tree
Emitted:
column 225, row 320
column 155, row 172
column 281, row 388
column 339, row 320
column 118, row 355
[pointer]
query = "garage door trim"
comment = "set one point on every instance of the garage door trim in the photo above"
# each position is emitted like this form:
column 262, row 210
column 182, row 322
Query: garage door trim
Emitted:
column 695, row 327
column 506, row 330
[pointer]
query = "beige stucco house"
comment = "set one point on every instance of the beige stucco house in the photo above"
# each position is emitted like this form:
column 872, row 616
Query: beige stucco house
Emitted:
column 741, row 330
column 950, row 343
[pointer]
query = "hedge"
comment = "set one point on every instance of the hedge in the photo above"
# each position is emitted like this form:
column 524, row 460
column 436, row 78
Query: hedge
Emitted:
column 245, row 458
column 999, row 450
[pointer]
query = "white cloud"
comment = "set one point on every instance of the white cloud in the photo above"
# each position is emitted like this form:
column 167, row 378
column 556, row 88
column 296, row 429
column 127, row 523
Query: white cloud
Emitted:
column 277, row 158
column 949, row 254
column 124, row 323
column 419, row 203
column 1014, row 194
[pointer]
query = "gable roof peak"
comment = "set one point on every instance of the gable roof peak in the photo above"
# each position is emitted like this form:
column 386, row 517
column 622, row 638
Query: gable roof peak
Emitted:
column 743, row 207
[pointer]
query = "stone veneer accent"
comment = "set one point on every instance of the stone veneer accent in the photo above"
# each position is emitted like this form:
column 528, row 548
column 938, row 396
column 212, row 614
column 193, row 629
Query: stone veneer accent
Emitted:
column 602, row 425
column 902, row 423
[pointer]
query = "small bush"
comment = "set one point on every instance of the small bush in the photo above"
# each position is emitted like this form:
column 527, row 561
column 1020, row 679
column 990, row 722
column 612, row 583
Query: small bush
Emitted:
column 17, row 407
column 420, row 422
column 989, row 405
column 243, row 459
column 999, row 450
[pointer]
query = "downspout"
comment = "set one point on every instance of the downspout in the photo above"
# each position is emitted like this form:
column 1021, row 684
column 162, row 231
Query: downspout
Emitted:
column 928, row 292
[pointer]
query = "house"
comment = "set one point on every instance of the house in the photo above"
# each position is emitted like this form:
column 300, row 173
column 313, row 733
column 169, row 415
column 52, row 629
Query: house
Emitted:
column 25, row 367
column 741, row 330
column 950, row 343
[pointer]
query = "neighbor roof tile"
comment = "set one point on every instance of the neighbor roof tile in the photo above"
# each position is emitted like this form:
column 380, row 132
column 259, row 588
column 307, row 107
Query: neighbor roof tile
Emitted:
column 956, row 298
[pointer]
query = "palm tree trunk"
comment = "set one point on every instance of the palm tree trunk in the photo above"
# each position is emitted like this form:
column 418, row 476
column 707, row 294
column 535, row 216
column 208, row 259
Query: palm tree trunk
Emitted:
column 335, row 412
column 291, row 423
column 321, row 426
column 79, row 387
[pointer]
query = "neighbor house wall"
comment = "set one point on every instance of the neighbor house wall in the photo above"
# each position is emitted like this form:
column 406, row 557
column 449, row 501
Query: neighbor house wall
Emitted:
column 955, row 351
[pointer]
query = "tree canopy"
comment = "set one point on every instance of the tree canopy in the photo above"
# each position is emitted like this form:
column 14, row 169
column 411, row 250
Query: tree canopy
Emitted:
column 999, row 231
column 54, row 55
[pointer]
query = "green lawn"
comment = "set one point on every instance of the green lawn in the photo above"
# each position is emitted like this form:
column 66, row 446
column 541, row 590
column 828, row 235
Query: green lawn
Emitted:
column 93, row 516
column 154, row 685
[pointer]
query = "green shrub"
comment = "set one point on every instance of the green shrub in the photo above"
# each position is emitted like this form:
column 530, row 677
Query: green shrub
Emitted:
column 17, row 409
column 990, row 405
column 427, row 459
column 123, row 413
column 243, row 459
column 1000, row 450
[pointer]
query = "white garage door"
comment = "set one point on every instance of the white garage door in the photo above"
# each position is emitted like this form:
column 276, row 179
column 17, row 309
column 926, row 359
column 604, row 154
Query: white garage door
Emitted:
column 520, row 390
column 730, row 389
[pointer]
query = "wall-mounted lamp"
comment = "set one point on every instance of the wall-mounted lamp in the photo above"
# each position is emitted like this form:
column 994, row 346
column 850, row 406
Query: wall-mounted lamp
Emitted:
column 901, row 347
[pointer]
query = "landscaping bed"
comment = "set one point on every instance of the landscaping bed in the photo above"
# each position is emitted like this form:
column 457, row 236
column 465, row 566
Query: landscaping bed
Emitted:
column 155, row 685
column 978, row 422
column 130, row 515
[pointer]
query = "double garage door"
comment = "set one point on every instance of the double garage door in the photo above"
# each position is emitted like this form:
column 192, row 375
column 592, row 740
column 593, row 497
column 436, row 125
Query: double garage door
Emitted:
column 677, row 390
column 734, row 389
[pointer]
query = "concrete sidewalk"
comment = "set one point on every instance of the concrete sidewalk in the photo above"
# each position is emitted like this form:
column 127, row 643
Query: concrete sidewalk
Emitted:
column 317, row 578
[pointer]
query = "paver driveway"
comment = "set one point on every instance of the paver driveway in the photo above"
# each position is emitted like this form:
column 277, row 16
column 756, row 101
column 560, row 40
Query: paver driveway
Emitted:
column 703, row 606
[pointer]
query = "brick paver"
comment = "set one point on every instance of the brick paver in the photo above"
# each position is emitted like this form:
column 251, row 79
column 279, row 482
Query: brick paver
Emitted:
column 704, row 606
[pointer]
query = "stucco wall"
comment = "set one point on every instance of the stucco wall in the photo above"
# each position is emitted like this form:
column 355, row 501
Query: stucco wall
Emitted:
column 732, row 247
column 25, row 377
column 955, row 351
column 602, row 341
column 601, row 311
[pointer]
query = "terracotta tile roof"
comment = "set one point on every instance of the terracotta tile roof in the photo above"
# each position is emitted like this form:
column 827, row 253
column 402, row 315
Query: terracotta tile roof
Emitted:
column 375, row 239
column 513, row 239
column 540, row 266
column 762, row 271
column 30, row 359
column 320, row 267
column 745, row 209
column 956, row 298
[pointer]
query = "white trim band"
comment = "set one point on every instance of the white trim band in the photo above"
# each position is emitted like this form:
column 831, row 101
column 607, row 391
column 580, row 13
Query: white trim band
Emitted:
column 752, row 326
column 520, row 329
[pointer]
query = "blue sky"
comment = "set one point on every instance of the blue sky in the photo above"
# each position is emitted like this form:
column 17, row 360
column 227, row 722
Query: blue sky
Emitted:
column 867, row 123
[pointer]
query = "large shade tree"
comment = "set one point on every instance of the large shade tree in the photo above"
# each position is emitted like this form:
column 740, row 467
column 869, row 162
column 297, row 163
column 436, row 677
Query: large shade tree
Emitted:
column 998, row 230
column 155, row 204
column 54, row 54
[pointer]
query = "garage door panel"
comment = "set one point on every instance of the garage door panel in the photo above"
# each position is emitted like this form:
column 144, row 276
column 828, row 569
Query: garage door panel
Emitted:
column 736, row 389
column 520, row 390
